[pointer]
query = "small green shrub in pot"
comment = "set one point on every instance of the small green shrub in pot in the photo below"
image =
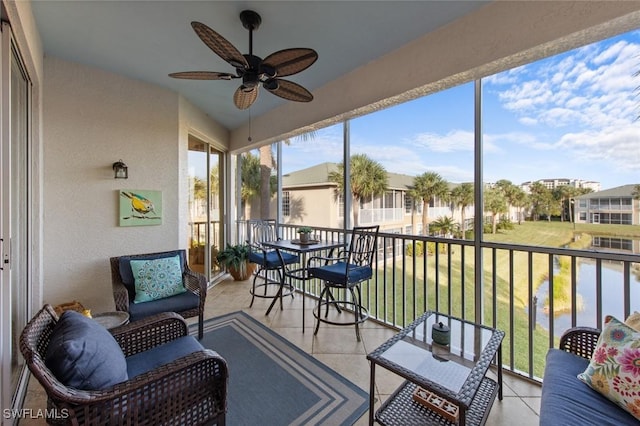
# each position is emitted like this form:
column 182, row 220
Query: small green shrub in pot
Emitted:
column 305, row 233
column 235, row 259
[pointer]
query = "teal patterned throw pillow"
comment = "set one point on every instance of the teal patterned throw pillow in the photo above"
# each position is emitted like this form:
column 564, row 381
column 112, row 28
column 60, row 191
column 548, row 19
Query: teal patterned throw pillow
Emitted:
column 156, row 279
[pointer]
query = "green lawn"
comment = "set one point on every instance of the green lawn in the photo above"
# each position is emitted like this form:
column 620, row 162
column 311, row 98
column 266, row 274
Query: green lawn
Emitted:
column 448, row 295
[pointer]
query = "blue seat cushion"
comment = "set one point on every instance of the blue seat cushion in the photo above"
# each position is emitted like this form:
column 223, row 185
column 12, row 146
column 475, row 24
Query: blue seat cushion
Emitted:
column 160, row 355
column 179, row 303
column 336, row 272
column 82, row 354
column 567, row 401
column 271, row 260
column 127, row 274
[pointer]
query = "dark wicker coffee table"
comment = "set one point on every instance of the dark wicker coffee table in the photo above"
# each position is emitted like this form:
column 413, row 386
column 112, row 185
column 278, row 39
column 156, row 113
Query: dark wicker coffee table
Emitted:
column 453, row 375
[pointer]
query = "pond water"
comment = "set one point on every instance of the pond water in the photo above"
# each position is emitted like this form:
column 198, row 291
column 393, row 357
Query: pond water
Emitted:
column 612, row 296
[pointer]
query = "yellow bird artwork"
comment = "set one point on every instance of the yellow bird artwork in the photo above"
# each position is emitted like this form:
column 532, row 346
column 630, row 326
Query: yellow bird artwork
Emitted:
column 141, row 207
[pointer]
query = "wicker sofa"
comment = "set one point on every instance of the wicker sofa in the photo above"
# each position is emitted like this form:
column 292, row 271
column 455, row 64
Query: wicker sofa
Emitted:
column 168, row 377
column 565, row 399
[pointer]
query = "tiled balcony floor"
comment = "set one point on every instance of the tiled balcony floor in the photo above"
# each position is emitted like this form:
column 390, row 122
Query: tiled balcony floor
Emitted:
column 337, row 347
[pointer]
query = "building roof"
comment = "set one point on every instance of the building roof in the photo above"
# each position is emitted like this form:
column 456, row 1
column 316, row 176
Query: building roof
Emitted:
column 618, row 191
column 318, row 175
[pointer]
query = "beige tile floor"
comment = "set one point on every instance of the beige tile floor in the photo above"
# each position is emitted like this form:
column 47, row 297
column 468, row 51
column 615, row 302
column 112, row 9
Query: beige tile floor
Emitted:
column 337, row 347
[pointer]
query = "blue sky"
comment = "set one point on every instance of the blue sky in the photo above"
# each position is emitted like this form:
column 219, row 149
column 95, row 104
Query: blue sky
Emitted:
column 573, row 115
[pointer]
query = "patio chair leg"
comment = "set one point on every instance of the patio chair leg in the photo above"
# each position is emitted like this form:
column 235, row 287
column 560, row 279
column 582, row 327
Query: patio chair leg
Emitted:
column 322, row 294
column 357, row 312
column 200, row 325
column 253, row 292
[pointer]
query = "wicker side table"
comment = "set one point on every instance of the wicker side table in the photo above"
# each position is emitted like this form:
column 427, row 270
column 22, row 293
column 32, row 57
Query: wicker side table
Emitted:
column 455, row 374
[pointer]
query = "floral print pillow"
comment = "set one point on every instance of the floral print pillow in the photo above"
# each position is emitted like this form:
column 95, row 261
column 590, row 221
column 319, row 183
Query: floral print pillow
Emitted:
column 614, row 370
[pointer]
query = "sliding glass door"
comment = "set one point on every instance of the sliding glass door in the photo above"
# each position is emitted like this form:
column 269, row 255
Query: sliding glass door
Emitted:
column 14, row 211
column 206, row 206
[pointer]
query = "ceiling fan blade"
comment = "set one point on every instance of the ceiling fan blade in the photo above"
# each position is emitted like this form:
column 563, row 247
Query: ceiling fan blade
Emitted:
column 288, row 90
column 219, row 45
column 290, row 61
column 244, row 97
column 203, row 75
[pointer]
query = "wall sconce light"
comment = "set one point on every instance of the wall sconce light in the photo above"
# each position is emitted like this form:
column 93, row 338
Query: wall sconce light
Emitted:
column 120, row 170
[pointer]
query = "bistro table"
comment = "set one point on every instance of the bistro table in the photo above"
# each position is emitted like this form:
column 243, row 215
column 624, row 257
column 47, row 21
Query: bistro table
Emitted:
column 303, row 249
column 444, row 384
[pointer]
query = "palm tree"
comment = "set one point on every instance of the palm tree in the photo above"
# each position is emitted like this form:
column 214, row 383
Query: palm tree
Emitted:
column 425, row 187
column 368, row 179
column 445, row 226
column 463, row 196
column 251, row 183
column 541, row 200
column 495, row 203
column 267, row 163
column 636, row 192
column 564, row 194
column 508, row 190
column 520, row 200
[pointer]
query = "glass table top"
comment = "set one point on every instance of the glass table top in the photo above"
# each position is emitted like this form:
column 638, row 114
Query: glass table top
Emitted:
column 448, row 366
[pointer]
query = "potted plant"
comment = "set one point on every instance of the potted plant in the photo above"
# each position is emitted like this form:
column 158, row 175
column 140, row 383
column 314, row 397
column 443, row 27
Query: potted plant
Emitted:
column 305, row 233
column 235, row 258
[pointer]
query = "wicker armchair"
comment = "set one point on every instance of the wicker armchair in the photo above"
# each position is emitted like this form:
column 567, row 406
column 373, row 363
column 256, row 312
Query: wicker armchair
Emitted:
column 581, row 341
column 188, row 390
column 124, row 292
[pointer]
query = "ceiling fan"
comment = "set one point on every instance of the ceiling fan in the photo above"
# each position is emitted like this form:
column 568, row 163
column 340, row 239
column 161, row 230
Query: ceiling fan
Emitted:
column 252, row 69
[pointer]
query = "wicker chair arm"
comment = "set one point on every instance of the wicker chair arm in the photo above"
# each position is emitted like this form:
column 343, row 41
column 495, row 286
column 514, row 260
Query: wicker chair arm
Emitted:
column 147, row 333
column 580, row 341
column 195, row 282
column 120, row 296
column 201, row 371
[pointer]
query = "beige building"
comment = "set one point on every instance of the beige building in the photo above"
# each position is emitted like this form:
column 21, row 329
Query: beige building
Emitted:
column 310, row 198
column 558, row 182
column 611, row 206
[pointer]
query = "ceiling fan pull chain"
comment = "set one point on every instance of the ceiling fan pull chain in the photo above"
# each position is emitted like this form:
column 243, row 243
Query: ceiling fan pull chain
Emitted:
column 249, row 138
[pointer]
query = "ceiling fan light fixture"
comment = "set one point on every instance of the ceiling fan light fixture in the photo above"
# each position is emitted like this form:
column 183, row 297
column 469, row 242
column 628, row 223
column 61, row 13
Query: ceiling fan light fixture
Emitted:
column 271, row 84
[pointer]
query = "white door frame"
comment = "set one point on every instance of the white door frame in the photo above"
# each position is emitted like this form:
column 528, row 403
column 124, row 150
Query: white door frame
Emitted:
column 5, row 217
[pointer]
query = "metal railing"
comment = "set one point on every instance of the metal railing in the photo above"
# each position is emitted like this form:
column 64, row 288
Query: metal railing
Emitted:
column 519, row 289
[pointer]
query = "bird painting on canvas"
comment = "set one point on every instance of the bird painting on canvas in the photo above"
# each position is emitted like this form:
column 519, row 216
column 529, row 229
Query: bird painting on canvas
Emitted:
column 141, row 207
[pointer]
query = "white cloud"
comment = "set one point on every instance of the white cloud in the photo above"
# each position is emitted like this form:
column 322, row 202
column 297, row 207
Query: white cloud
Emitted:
column 586, row 101
column 615, row 145
column 456, row 140
column 528, row 121
column 528, row 140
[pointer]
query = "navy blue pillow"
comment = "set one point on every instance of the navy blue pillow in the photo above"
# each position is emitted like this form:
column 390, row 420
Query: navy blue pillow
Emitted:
column 82, row 354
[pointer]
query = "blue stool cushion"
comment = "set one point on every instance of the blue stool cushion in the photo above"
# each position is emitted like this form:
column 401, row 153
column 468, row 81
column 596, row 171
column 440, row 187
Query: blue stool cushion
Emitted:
column 567, row 401
column 82, row 354
column 160, row 355
column 179, row 303
column 272, row 259
column 336, row 272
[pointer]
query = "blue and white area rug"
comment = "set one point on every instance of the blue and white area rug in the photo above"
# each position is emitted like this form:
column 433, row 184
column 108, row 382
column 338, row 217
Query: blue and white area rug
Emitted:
column 272, row 382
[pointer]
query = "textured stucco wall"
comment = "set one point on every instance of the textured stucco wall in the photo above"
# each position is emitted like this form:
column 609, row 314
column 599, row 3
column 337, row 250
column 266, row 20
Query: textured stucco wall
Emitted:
column 92, row 118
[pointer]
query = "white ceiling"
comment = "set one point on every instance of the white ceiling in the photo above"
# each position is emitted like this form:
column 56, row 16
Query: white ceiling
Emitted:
column 146, row 40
